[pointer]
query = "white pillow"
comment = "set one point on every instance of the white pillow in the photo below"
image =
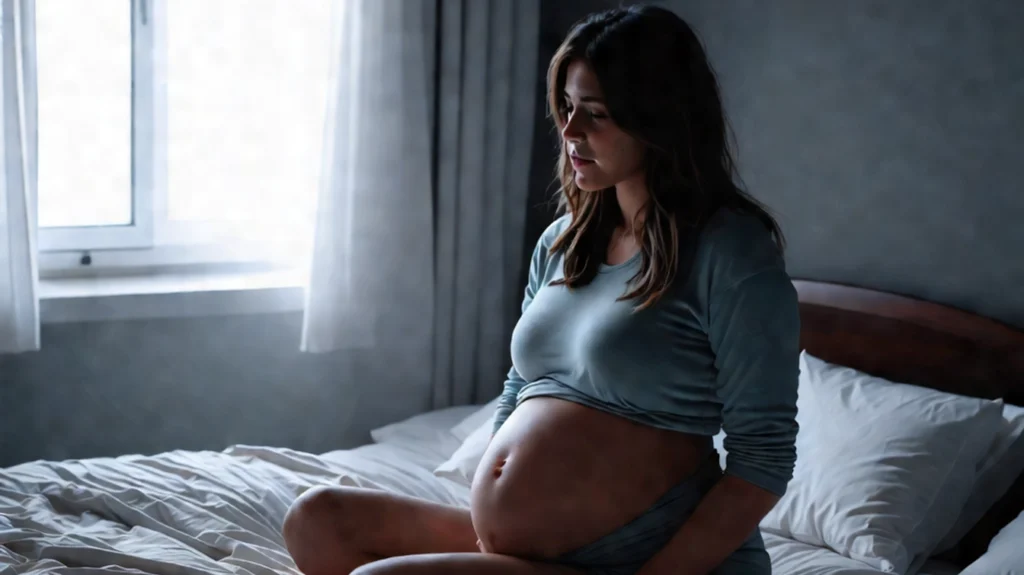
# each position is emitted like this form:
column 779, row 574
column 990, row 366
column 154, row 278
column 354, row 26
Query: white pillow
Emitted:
column 1005, row 555
column 461, row 466
column 998, row 470
column 479, row 415
column 430, row 430
column 883, row 469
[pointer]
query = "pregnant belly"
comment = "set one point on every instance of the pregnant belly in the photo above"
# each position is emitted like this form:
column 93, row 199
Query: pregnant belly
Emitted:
column 559, row 475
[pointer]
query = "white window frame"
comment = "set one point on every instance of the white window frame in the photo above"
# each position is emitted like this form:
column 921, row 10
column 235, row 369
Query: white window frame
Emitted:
column 152, row 243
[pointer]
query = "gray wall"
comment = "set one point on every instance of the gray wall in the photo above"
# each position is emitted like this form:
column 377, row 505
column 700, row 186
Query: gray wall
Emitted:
column 888, row 135
column 109, row 388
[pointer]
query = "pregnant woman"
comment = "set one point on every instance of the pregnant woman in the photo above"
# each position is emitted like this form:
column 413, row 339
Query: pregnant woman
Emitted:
column 658, row 311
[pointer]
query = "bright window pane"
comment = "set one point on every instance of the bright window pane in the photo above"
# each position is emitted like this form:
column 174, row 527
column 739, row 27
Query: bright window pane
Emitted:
column 247, row 88
column 84, row 52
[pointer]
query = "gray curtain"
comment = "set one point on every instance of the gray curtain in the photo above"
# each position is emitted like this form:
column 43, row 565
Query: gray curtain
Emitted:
column 488, row 88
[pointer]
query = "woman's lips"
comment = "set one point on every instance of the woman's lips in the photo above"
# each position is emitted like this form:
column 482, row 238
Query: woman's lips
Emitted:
column 578, row 162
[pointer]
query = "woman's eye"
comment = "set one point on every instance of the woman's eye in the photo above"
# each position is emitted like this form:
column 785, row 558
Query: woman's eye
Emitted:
column 567, row 107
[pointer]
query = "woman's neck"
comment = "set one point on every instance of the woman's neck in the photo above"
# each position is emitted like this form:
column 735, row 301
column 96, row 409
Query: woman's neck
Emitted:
column 632, row 196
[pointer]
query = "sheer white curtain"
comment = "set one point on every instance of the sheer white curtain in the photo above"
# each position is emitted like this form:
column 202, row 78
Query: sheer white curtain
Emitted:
column 424, row 194
column 373, row 250
column 19, row 305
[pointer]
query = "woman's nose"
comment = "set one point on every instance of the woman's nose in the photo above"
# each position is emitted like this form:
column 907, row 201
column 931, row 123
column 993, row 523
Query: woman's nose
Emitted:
column 571, row 131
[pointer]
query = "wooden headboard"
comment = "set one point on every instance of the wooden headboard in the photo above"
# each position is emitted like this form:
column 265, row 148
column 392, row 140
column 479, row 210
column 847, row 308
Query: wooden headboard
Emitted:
column 912, row 341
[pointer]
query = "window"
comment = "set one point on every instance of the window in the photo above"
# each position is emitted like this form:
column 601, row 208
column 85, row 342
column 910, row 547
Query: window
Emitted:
column 85, row 126
column 180, row 131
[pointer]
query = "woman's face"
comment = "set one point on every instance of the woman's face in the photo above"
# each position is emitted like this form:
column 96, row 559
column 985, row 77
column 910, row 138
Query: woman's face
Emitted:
column 602, row 155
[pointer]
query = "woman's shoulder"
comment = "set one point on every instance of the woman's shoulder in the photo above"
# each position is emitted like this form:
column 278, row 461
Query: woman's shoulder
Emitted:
column 735, row 245
column 731, row 228
column 554, row 229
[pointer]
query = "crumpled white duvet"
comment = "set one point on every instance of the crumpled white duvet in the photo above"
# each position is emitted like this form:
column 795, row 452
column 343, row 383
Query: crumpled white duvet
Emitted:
column 185, row 513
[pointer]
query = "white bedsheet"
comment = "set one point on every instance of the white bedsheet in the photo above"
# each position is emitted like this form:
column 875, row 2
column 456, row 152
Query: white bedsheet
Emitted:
column 183, row 513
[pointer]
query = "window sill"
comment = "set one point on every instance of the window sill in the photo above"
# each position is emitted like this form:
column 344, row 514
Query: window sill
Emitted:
column 170, row 295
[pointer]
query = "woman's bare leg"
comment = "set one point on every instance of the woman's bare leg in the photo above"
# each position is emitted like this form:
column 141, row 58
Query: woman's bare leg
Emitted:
column 461, row 564
column 334, row 530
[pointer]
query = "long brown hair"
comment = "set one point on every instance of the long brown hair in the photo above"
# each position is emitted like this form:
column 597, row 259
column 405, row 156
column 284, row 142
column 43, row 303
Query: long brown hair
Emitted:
column 660, row 88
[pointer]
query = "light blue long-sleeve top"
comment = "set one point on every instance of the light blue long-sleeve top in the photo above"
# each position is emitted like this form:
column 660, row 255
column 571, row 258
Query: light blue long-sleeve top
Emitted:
column 720, row 350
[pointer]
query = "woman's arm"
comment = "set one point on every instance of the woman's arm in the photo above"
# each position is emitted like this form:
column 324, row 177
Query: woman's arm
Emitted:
column 723, row 520
column 513, row 381
column 754, row 332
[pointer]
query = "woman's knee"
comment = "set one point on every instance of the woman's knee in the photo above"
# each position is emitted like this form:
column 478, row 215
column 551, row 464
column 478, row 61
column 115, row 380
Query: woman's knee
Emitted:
column 387, row 566
column 318, row 510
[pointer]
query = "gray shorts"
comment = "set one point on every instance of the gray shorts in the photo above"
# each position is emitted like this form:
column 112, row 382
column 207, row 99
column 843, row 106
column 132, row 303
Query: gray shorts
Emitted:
column 627, row 549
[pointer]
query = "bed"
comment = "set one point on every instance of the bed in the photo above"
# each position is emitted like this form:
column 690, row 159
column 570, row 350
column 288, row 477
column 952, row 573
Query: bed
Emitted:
column 220, row 512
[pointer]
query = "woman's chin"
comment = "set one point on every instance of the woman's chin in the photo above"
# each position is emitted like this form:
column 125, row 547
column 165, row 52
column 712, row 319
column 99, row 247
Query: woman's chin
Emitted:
column 587, row 184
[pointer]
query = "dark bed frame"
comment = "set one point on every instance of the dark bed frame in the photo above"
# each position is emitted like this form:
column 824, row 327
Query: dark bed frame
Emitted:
column 913, row 341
